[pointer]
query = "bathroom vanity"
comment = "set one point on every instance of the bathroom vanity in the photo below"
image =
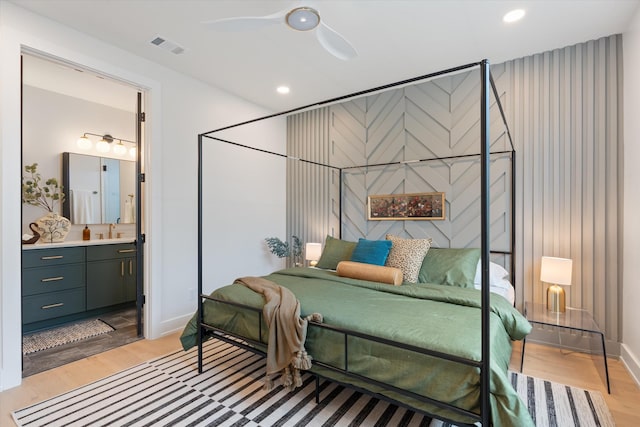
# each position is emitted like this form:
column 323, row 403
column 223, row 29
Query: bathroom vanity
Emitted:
column 62, row 282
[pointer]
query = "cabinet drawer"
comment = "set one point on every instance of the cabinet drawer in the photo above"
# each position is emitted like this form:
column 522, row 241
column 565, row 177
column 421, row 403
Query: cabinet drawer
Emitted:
column 52, row 256
column 51, row 279
column 100, row 252
column 53, row 304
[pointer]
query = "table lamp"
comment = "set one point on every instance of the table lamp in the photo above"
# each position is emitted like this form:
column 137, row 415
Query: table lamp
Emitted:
column 556, row 271
column 312, row 252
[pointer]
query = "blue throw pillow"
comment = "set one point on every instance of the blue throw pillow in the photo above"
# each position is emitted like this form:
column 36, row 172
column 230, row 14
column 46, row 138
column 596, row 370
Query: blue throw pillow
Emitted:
column 371, row 251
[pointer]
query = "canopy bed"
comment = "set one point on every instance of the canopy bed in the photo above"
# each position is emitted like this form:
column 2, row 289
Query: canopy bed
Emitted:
column 425, row 350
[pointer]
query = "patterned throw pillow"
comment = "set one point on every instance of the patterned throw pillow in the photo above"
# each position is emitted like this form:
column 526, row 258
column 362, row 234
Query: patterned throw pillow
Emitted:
column 407, row 255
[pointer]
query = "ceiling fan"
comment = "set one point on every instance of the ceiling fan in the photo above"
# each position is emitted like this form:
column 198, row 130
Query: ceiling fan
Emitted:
column 302, row 18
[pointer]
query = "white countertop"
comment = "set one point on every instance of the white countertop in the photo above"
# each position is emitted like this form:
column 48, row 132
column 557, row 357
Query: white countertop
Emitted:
column 70, row 243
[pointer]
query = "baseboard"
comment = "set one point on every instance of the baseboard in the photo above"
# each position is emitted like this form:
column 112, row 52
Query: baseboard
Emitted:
column 631, row 362
column 175, row 324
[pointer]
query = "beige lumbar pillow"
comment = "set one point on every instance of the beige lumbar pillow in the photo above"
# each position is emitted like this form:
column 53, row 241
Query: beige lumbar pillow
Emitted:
column 370, row 272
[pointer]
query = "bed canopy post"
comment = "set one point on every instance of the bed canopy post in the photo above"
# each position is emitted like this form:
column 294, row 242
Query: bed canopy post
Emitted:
column 513, row 217
column 340, row 172
column 485, row 379
column 200, row 313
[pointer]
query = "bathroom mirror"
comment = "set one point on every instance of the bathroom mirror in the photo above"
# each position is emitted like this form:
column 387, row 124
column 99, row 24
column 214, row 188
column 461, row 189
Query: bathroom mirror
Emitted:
column 98, row 190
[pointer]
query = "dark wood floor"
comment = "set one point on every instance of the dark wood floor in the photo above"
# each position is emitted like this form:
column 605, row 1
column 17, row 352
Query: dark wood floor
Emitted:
column 124, row 322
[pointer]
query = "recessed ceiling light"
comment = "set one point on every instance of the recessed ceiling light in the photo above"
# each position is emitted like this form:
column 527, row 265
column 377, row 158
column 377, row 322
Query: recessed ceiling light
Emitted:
column 283, row 89
column 514, row 15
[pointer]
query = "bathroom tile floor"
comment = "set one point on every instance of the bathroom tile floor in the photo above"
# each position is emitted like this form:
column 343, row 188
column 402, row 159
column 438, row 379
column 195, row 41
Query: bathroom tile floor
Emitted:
column 124, row 322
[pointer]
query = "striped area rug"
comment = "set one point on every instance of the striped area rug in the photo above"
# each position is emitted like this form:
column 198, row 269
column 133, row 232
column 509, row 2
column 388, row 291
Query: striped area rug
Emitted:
column 169, row 392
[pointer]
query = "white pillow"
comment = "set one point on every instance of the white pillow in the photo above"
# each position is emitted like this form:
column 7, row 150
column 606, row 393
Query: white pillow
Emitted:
column 496, row 273
column 502, row 287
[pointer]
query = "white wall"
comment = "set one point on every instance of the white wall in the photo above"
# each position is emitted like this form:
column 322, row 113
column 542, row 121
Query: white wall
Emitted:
column 630, row 350
column 178, row 108
column 53, row 123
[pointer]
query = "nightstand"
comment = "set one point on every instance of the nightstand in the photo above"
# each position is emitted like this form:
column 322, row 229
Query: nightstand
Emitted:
column 574, row 319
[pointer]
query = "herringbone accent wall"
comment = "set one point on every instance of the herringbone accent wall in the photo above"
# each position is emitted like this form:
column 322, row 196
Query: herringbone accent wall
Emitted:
column 562, row 108
column 429, row 121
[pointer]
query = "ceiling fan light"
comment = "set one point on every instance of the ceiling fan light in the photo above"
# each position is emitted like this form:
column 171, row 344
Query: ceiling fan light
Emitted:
column 303, row 18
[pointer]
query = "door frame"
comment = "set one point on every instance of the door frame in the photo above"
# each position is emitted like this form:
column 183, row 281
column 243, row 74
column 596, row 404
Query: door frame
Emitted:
column 138, row 101
column 14, row 43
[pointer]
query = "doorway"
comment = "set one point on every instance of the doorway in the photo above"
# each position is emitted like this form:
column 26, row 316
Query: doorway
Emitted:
column 71, row 111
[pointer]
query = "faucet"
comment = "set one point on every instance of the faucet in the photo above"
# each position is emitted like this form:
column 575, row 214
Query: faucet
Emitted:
column 111, row 228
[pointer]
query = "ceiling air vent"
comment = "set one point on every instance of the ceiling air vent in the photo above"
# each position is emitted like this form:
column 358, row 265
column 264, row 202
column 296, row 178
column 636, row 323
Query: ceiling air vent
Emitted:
column 167, row 45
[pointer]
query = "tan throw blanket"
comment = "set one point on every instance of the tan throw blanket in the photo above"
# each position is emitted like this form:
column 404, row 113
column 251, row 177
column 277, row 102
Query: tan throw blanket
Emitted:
column 287, row 331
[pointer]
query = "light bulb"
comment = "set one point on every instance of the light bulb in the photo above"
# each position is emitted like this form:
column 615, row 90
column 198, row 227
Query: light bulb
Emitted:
column 84, row 142
column 514, row 15
column 119, row 149
column 103, row 146
column 303, row 18
column 133, row 153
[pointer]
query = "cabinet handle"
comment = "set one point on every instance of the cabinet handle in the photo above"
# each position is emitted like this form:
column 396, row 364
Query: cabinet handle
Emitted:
column 130, row 267
column 125, row 251
column 52, row 279
column 122, row 268
column 46, row 307
column 52, row 257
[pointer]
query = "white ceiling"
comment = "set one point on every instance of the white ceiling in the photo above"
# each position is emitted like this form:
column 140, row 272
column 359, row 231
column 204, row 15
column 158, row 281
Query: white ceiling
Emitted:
column 395, row 39
column 78, row 83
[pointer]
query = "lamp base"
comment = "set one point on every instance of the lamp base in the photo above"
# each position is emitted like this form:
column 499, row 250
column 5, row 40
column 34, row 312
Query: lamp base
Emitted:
column 556, row 299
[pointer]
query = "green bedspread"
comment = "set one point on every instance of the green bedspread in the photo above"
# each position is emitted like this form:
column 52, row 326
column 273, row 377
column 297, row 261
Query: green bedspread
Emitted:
column 442, row 318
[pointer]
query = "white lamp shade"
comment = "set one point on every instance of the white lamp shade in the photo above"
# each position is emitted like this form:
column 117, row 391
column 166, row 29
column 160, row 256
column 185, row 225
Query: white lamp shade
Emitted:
column 312, row 251
column 84, row 142
column 556, row 270
column 119, row 149
column 102, row 146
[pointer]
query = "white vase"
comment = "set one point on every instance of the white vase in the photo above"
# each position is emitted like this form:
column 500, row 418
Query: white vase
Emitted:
column 53, row 228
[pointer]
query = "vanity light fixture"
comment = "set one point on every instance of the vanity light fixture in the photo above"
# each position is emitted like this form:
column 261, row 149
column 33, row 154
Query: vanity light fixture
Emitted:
column 133, row 153
column 84, row 142
column 104, row 144
column 119, row 148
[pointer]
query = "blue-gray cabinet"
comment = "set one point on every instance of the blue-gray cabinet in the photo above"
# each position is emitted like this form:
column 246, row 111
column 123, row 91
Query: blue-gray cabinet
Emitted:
column 111, row 275
column 68, row 283
column 53, row 283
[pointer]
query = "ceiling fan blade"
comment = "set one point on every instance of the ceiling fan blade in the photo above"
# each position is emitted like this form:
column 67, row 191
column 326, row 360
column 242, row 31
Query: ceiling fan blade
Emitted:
column 246, row 23
column 334, row 43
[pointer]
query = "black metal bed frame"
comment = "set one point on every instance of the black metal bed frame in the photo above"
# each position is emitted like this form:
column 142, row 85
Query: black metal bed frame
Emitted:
column 484, row 417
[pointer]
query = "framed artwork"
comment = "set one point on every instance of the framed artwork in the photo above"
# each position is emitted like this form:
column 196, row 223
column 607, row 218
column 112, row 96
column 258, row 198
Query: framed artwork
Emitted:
column 415, row 206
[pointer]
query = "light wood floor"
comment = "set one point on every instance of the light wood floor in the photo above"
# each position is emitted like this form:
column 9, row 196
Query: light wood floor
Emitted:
column 572, row 368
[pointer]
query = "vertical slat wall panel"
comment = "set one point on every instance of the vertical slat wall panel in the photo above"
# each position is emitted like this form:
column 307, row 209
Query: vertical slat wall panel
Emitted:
column 310, row 188
column 563, row 109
